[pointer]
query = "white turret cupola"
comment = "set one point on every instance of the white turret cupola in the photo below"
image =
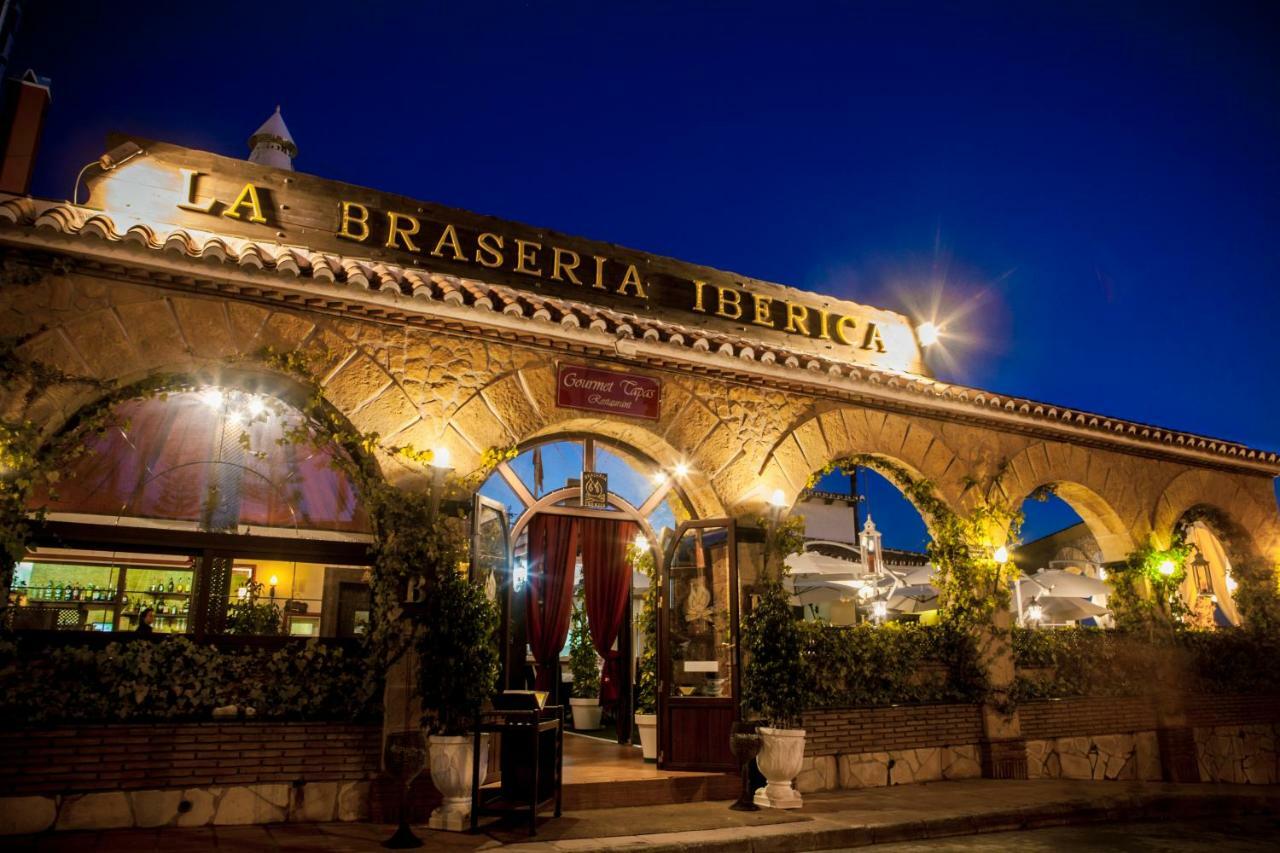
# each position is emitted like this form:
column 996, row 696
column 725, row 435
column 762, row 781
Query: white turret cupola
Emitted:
column 872, row 555
column 271, row 145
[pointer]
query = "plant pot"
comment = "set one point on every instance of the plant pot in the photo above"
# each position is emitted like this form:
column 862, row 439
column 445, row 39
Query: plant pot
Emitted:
column 780, row 759
column 451, row 764
column 586, row 714
column 648, row 726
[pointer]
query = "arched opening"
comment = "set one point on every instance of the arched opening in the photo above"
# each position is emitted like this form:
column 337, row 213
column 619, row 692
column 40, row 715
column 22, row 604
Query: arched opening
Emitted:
column 573, row 503
column 1209, row 589
column 1062, row 573
column 205, row 510
column 865, row 554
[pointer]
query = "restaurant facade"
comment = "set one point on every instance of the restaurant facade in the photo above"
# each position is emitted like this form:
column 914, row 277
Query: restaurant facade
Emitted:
column 682, row 398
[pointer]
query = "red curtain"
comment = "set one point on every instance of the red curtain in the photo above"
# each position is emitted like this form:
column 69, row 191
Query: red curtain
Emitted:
column 553, row 550
column 606, row 576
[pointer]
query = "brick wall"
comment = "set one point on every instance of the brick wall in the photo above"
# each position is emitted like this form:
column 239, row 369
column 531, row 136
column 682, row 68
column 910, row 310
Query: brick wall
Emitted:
column 97, row 758
column 1236, row 710
column 1086, row 716
column 854, row 730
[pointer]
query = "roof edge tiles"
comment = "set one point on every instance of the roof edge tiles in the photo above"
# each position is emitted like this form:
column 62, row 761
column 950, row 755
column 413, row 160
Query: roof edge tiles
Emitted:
column 356, row 284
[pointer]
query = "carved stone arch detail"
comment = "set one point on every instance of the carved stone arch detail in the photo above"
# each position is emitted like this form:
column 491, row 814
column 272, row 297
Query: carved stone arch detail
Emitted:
column 1110, row 508
column 836, row 432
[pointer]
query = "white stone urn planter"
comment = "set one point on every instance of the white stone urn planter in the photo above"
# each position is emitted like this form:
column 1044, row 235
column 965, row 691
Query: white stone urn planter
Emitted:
column 451, row 760
column 780, row 759
column 648, row 727
column 586, row 713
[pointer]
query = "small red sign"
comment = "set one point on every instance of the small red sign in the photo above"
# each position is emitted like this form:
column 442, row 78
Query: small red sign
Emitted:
column 608, row 391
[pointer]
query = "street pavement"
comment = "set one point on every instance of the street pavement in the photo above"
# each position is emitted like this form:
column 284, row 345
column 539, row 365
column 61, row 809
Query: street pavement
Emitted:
column 976, row 815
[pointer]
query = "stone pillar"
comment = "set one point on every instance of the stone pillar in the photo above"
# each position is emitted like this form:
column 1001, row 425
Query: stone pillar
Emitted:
column 1004, row 750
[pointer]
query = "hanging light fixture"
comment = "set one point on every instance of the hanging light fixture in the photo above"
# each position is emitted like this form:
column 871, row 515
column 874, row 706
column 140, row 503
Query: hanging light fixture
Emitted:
column 1200, row 571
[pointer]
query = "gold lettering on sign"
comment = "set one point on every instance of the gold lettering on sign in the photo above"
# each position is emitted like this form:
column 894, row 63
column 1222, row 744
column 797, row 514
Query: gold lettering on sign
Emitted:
column 873, row 339
column 524, row 257
column 397, row 231
column 558, row 266
column 449, row 238
column 697, row 297
column 723, row 303
column 844, row 328
column 797, row 319
column 632, row 280
column 492, row 244
column 357, row 215
column 248, row 198
column 189, row 193
column 762, row 305
column 823, row 316
column 598, row 284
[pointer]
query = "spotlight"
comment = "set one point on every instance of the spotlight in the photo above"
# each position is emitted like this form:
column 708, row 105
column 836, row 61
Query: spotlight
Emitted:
column 1001, row 556
column 778, row 499
column 927, row 333
column 440, row 458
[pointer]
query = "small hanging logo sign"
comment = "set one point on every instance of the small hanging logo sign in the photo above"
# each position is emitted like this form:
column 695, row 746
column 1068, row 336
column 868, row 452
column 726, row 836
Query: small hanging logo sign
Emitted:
column 595, row 490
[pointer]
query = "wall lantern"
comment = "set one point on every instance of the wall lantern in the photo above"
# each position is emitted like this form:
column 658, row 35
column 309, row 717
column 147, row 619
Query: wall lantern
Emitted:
column 1200, row 571
column 880, row 610
column 1001, row 555
column 1167, row 568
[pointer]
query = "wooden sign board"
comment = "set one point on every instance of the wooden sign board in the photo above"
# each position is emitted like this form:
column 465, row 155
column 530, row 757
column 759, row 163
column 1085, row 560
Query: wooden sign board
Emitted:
column 608, row 391
column 168, row 185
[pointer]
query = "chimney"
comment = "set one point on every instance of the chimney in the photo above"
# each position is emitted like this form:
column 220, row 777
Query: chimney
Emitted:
column 26, row 102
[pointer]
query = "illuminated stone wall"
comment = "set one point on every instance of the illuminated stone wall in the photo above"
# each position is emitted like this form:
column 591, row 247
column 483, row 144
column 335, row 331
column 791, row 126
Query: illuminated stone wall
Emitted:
column 469, row 393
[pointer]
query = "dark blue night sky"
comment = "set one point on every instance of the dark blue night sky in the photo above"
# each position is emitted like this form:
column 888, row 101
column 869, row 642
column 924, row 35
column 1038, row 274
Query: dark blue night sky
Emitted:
column 1099, row 183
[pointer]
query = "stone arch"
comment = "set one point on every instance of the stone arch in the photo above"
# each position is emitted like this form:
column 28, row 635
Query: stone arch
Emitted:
column 129, row 333
column 1242, row 517
column 518, row 407
column 1081, row 483
column 838, row 432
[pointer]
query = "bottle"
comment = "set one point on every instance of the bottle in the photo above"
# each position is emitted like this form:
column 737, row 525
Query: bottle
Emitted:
column 124, row 602
column 170, row 584
column 91, row 593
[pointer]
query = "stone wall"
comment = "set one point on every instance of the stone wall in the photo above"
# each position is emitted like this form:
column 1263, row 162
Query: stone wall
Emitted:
column 188, row 774
column 1237, row 739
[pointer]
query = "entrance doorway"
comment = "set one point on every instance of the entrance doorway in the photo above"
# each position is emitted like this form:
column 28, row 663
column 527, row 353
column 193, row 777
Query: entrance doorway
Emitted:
column 556, row 545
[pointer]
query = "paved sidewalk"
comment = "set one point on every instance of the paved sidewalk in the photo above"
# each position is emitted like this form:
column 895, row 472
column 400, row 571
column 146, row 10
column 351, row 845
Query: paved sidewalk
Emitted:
column 828, row 821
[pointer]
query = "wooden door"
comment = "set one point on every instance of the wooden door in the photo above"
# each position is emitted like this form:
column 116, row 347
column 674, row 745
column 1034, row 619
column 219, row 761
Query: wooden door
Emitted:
column 698, row 660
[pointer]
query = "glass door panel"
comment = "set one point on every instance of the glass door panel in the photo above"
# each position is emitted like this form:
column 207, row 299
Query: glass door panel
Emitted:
column 698, row 646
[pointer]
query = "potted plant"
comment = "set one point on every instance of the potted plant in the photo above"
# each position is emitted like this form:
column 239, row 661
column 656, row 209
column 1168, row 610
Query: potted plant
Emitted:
column 584, row 663
column 250, row 616
column 646, row 716
column 772, row 691
column 458, row 671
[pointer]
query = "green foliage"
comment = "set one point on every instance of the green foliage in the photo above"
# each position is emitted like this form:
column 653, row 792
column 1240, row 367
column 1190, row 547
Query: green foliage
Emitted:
column 972, row 586
column 1067, row 662
column 584, row 663
column 774, row 641
column 177, row 679
column 250, row 616
column 458, row 656
column 641, row 560
column 1143, row 598
column 890, row 664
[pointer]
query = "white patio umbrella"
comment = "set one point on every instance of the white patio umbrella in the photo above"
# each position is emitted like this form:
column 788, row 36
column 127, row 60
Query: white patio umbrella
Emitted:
column 1055, row 610
column 1063, row 584
column 813, row 563
column 915, row 575
column 913, row 599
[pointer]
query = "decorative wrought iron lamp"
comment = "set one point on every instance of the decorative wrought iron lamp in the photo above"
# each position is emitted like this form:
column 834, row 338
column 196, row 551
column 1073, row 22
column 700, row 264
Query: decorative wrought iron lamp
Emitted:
column 1200, row 570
